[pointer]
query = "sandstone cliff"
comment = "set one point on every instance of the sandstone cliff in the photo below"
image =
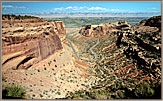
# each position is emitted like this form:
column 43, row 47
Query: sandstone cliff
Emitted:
column 28, row 43
column 104, row 29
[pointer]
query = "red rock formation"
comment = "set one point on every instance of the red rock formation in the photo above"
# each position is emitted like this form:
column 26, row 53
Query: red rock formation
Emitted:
column 60, row 27
column 36, row 42
column 103, row 29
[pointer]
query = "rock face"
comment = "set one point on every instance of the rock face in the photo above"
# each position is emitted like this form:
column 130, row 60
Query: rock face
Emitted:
column 35, row 42
column 60, row 27
column 154, row 22
column 104, row 29
column 143, row 43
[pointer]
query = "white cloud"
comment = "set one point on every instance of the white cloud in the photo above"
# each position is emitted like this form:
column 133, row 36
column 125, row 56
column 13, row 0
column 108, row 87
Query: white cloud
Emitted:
column 96, row 8
column 10, row 6
column 73, row 8
column 84, row 8
column 119, row 10
column 70, row 8
column 56, row 9
column 7, row 6
column 152, row 8
column 115, row 9
column 80, row 8
column 20, row 7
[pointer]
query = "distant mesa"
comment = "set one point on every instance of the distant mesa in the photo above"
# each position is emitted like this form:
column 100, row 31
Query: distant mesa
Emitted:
column 104, row 29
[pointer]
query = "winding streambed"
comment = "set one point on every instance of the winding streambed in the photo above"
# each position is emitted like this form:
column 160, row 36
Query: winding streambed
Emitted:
column 91, row 49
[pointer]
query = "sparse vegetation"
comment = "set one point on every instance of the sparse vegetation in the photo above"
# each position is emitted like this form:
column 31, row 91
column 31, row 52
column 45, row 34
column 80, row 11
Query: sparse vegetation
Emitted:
column 41, row 95
column 59, row 93
column 17, row 16
column 54, row 60
column 119, row 67
column 14, row 91
column 49, row 63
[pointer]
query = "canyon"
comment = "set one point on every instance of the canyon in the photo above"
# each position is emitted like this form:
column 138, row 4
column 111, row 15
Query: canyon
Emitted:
column 54, row 62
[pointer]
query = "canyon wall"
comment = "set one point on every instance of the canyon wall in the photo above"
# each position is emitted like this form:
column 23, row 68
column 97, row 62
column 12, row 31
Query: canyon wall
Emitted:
column 140, row 43
column 104, row 29
column 30, row 42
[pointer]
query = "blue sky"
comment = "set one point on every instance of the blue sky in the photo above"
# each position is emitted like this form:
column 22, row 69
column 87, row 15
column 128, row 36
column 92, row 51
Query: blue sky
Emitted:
column 94, row 7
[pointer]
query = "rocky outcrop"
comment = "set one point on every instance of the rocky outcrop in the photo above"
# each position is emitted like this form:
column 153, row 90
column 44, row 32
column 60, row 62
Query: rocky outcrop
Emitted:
column 136, row 60
column 104, row 29
column 34, row 43
column 60, row 27
column 143, row 45
column 20, row 19
column 146, row 46
column 154, row 22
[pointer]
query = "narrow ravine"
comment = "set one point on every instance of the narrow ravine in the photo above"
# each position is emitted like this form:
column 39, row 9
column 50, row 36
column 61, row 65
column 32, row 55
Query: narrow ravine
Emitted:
column 91, row 49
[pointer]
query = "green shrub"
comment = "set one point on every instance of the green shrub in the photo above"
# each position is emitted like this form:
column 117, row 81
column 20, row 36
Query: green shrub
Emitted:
column 49, row 63
column 144, row 90
column 15, row 91
column 82, row 84
column 71, row 80
column 41, row 95
column 58, row 93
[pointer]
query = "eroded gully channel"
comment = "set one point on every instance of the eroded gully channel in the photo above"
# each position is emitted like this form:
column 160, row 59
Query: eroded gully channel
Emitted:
column 91, row 50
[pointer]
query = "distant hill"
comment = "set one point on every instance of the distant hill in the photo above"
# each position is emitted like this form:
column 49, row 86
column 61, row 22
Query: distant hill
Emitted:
column 6, row 18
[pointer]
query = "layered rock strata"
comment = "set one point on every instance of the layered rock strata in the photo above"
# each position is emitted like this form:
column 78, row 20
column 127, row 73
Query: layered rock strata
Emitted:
column 104, row 29
column 30, row 42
